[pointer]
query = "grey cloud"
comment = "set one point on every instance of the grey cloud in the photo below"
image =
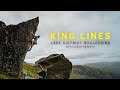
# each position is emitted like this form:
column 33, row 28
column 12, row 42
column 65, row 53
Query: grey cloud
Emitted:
column 86, row 55
column 115, row 54
column 66, row 21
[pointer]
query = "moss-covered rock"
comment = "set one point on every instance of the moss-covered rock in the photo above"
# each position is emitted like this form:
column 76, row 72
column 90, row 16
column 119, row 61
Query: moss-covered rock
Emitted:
column 57, row 65
column 31, row 72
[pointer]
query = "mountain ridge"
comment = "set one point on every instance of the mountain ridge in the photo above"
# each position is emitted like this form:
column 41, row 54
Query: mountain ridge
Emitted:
column 92, row 71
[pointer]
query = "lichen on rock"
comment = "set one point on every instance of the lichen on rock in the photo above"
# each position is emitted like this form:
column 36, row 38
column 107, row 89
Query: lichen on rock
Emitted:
column 57, row 65
column 14, row 44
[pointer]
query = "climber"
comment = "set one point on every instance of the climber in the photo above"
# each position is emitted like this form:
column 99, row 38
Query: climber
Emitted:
column 44, row 73
column 34, row 40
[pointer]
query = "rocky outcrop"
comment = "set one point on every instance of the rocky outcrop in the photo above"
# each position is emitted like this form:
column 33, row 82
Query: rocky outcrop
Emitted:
column 57, row 65
column 14, row 44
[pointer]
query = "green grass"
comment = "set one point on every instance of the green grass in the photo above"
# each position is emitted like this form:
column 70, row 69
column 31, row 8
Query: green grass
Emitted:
column 3, row 76
column 74, row 76
column 31, row 71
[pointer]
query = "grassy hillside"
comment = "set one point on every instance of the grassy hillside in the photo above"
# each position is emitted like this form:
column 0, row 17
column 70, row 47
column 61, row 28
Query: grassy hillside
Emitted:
column 90, row 71
column 31, row 70
column 87, row 72
column 113, row 66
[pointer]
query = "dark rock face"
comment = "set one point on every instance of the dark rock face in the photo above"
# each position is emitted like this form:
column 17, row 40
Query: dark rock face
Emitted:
column 57, row 65
column 2, row 24
column 14, row 44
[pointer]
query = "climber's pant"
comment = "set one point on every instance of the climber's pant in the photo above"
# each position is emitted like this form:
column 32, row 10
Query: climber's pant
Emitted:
column 34, row 41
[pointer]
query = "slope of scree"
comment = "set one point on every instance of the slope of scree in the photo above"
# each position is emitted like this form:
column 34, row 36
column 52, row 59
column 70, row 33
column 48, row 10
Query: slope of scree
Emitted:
column 14, row 44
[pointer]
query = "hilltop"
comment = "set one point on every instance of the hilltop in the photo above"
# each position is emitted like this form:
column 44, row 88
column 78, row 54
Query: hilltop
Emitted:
column 107, row 70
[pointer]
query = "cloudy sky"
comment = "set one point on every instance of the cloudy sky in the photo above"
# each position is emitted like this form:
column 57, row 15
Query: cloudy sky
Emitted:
column 67, row 21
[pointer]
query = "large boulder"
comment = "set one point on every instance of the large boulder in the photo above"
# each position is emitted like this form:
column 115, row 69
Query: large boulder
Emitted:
column 14, row 44
column 57, row 65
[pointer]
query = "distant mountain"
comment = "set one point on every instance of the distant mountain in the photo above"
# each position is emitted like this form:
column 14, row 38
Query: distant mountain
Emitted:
column 113, row 66
column 96, row 71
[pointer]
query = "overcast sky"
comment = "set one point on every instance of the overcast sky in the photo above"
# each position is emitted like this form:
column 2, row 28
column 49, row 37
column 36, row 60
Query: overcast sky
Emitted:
column 67, row 21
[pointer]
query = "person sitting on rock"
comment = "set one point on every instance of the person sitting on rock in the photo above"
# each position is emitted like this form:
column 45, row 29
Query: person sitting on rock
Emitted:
column 44, row 73
column 34, row 41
